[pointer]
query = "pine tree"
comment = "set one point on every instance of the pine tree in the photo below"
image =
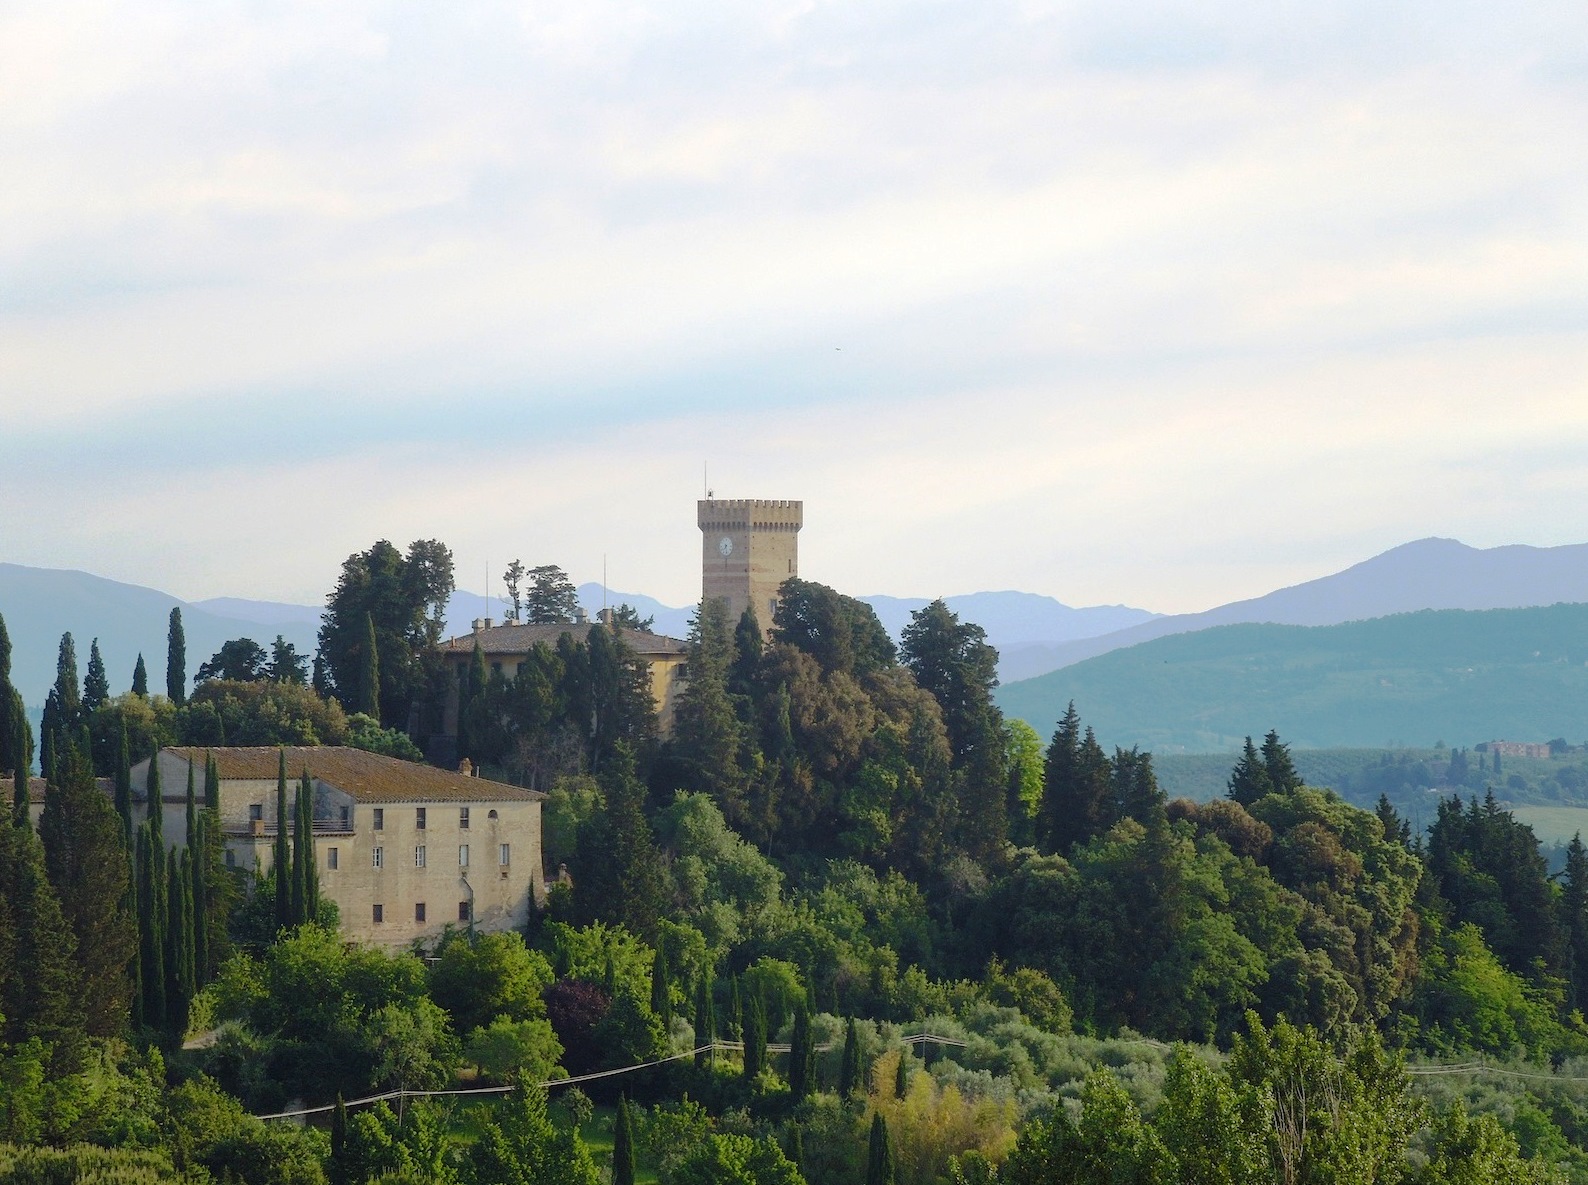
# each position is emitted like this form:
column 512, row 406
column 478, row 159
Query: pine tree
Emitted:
column 1281, row 770
column 802, row 1056
column 879, row 1156
column 747, row 647
column 1249, row 780
column 849, row 1079
column 705, row 727
column 705, row 1021
column 754, row 1039
column 623, row 1145
column 1136, row 792
column 620, row 876
column 140, row 679
column 369, row 672
column 176, row 661
column 96, row 684
column 85, row 857
column 282, row 850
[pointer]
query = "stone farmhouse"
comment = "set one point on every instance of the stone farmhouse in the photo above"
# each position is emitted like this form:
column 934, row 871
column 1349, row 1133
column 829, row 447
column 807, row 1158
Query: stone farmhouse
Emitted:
column 405, row 850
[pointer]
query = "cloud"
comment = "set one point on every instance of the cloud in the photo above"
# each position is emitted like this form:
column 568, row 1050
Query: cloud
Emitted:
column 1065, row 296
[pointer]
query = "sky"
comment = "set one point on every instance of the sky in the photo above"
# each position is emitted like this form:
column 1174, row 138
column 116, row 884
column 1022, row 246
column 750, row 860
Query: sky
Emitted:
column 1163, row 304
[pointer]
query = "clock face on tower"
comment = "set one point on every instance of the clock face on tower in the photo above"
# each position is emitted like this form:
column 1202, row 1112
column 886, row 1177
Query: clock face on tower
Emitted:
column 725, row 546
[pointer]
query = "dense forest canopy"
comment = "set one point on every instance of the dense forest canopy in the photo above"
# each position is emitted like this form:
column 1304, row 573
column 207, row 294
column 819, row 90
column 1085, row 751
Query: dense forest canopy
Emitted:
column 989, row 955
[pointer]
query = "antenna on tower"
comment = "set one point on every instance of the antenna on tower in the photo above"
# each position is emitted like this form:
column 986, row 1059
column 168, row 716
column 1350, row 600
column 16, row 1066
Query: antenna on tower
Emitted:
column 603, row 582
column 705, row 479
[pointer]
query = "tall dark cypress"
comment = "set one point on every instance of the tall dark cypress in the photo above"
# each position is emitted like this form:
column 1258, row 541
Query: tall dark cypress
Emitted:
column 305, row 875
column 705, row 1021
column 196, row 847
column 176, row 661
column 754, row 1039
column 96, row 684
column 661, row 990
column 849, row 1065
column 282, row 850
column 140, row 679
column 879, row 1155
column 178, row 947
column 67, row 688
column 802, row 1055
column 40, row 988
column 11, row 757
column 19, row 797
column 735, row 1011
column 623, row 1145
column 154, row 802
column 151, row 926
column 124, row 788
column 1574, row 920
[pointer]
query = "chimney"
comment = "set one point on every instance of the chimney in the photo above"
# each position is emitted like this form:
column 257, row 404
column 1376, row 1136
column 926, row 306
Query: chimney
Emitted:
column 604, row 616
column 479, row 624
column 466, row 768
column 580, row 616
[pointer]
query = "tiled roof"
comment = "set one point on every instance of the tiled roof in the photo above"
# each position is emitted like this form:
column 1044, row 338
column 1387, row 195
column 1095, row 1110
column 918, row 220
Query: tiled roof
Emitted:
column 520, row 639
column 368, row 777
column 38, row 788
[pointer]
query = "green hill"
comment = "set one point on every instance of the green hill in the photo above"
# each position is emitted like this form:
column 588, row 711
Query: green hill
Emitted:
column 1408, row 680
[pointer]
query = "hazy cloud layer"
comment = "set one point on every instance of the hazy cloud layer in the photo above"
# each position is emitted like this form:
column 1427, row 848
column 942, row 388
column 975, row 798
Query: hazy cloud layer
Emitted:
column 1166, row 304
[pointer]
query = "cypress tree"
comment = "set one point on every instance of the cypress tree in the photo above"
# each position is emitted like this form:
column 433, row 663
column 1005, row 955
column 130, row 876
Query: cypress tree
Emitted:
column 623, row 1145
column 282, row 849
column 69, row 699
column 40, row 988
column 96, row 685
column 305, row 874
column 735, row 1012
column 154, row 803
column 802, row 1055
column 369, row 672
column 796, row 1147
column 754, row 1039
column 212, row 784
column 901, row 1076
column 849, row 1066
column 19, row 797
column 151, row 928
column 1249, row 780
column 176, row 661
column 140, row 679
column 1281, row 770
column 1574, row 920
column 197, row 846
column 705, row 1021
column 178, row 947
column 85, row 857
column 338, row 1168
column 124, row 788
column 661, row 990
column 879, row 1156
column 619, row 875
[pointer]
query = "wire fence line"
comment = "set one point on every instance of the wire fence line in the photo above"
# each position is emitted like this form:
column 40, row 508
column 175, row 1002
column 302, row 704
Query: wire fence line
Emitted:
column 709, row 1047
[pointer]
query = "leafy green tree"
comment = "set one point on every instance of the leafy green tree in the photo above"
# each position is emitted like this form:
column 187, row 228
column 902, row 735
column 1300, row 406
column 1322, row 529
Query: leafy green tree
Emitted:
column 1474, row 1150
column 1203, row 1123
column 490, row 976
column 721, row 1159
column 1023, row 757
column 551, row 596
column 513, row 576
column 705, row 728
column 96, row 684
column 841, row 633
column 261, row 713
column 242, row 660
column 85, row 857
column 515, row 1050
column 405, row 596
column 286, row 665
column 521, row 1145
column 176, row 660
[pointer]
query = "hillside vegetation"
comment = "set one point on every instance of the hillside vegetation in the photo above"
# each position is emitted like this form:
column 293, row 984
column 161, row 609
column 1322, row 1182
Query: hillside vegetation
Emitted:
column 1410, row 679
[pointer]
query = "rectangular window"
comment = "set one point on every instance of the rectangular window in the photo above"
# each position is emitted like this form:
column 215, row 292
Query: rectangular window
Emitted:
column 231, row 858
column 330, row 859
column 465, row 911
column 504, row 854
column 419, row 818
column 380, row 914
column 256, row 811
column 379, row 857
column 419, row 856
column 463, row 818
column 463, row 855
column 419, row 911
column 771, row 609
column 380, row 819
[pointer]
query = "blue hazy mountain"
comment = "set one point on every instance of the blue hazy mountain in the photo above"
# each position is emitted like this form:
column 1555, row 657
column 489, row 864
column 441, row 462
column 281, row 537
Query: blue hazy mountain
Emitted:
column 40, row 604
column 1426, row 574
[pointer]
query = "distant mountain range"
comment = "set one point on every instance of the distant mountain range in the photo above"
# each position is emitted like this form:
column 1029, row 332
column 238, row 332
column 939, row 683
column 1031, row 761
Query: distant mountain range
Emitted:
column 1458, row 676
column 1034, row 634
column 1427, row 574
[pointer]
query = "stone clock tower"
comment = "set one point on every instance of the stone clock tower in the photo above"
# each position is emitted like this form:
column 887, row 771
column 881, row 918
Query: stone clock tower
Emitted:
column 749, row 547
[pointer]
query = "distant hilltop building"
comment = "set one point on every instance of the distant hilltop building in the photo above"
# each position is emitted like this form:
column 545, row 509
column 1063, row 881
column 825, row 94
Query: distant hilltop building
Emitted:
column 749, row 547
column 1519, row 749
